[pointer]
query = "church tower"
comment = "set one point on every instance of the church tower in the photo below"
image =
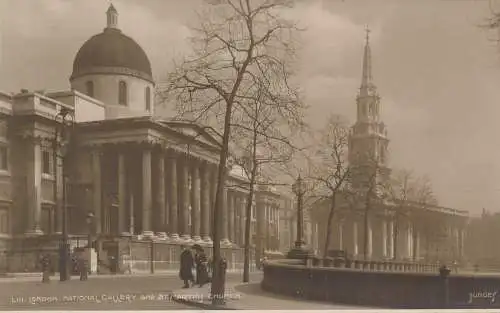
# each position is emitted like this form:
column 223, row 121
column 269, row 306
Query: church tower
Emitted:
column 368, row 142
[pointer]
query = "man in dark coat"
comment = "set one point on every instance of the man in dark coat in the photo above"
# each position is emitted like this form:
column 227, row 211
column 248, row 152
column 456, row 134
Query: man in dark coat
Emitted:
column 186, row 266
column 201, row 266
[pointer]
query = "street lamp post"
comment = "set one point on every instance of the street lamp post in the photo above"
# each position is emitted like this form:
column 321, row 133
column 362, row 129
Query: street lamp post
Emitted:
column 64, row 120
column 299, row 251
column 90, row 221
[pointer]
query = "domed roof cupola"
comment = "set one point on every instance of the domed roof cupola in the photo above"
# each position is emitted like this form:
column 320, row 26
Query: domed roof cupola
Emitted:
column 112, row 52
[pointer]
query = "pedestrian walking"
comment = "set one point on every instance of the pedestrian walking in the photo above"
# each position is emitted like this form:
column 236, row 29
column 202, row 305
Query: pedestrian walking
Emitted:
column 45, row 268
column 186, row 267
column 83, row 268
column 201, row 262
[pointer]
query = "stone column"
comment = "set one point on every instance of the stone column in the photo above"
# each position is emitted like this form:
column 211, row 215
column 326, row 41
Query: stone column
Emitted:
column 160, row 194
column 341, row 234
column 462, row 238
column 122, row 194
column 278, row 234
column 316, row 238
column 384, row 238
column 370, row 238
column 267, row 214
column 213, row 192
column 34, row 188
column 417, row 245
column 195, row 200
column 146, row 191
column 230, row 215
column 391, row 239
column 172, row 196
column 408, row 241
column 236, row 221
column 355, row 248
column 260, row 226
column 184, row 201
column 97, row 189
column 224, row 216
column 205, row 203
column 243, row 208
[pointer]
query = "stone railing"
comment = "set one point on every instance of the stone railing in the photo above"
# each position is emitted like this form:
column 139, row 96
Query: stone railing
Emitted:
column 392, row 266
column 382, row 288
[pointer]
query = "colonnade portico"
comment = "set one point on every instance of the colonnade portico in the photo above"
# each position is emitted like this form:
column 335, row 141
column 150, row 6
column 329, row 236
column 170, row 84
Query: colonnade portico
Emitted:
column 162, row 190
column 406, row 237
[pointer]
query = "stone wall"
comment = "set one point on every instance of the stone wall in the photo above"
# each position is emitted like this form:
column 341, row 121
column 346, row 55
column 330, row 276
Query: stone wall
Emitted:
column 382, row 288
column 157, row 256
column 134, row 256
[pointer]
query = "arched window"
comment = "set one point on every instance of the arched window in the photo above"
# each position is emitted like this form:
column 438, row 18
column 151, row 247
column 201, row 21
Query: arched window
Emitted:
column 122, row 93
column 148, row 99
column 90, row 88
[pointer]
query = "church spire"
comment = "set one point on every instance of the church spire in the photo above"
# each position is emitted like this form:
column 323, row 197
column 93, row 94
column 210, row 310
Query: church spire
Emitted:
column 367, row 79
column 112, row 16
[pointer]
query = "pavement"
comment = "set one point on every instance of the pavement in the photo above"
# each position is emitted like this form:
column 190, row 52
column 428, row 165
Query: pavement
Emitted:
column 251, row 297
column 35, row 277
column 103, row 292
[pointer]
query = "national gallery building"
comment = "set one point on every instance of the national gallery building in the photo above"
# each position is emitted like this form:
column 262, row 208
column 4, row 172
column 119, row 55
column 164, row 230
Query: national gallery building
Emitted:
column 99, row 151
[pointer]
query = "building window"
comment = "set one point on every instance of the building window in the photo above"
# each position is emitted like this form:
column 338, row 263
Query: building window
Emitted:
column 122, row 93
column 46, row 162
column 4, row 158
column 148, row 99
column 46, row 224
column 90, row 88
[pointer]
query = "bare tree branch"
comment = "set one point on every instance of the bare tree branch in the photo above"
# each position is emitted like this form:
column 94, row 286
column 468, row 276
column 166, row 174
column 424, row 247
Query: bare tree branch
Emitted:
column 237, row 81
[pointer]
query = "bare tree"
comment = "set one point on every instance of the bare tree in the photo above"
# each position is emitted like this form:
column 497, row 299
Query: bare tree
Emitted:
column 262, row 139
column 329, row 168
column 239, row 46
column 423, row 198
column 400, row 189
column 492, row 22
column 407, row 192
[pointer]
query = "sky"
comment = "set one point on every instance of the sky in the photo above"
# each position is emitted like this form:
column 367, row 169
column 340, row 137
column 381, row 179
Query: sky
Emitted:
column 436, row 70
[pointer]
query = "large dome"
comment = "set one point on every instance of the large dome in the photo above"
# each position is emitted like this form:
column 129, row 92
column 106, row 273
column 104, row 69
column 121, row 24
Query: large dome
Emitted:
column 112, row 52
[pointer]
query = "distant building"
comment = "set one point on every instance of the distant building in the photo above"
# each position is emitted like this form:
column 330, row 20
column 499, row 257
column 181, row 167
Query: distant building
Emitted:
column 139, row 175
column 479, row 246
column 404, row 231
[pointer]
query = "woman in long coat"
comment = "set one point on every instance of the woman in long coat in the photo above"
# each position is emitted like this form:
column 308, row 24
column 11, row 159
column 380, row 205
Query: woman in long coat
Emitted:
column 186, row 267
column 201, row 261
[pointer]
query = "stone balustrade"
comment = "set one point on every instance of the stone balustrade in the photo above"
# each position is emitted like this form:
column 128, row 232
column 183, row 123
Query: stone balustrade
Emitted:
column 382, row 284
column 388, row 265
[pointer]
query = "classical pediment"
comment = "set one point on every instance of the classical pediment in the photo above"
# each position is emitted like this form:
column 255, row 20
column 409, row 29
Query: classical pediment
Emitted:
column 201, row 133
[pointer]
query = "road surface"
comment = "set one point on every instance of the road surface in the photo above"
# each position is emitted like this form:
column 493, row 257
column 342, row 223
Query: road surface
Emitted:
column 114, row 293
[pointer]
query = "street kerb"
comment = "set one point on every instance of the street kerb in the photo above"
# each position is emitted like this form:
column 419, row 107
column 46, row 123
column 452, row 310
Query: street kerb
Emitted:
column 200, row 297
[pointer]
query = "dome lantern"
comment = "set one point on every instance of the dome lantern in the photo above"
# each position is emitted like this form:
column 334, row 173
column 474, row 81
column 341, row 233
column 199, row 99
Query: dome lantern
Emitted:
column 112, row 16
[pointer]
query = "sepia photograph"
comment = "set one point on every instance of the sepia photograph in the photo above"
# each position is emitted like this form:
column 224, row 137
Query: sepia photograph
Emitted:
column 301, row 155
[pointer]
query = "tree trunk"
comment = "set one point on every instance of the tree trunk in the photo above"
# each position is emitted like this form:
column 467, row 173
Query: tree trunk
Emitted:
column 329, row 225
column 248, row 210
column 248, row 224
column 217, row 289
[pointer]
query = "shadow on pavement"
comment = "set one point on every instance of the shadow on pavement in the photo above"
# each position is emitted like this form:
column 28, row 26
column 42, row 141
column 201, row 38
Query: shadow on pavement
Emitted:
column 254, row 289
